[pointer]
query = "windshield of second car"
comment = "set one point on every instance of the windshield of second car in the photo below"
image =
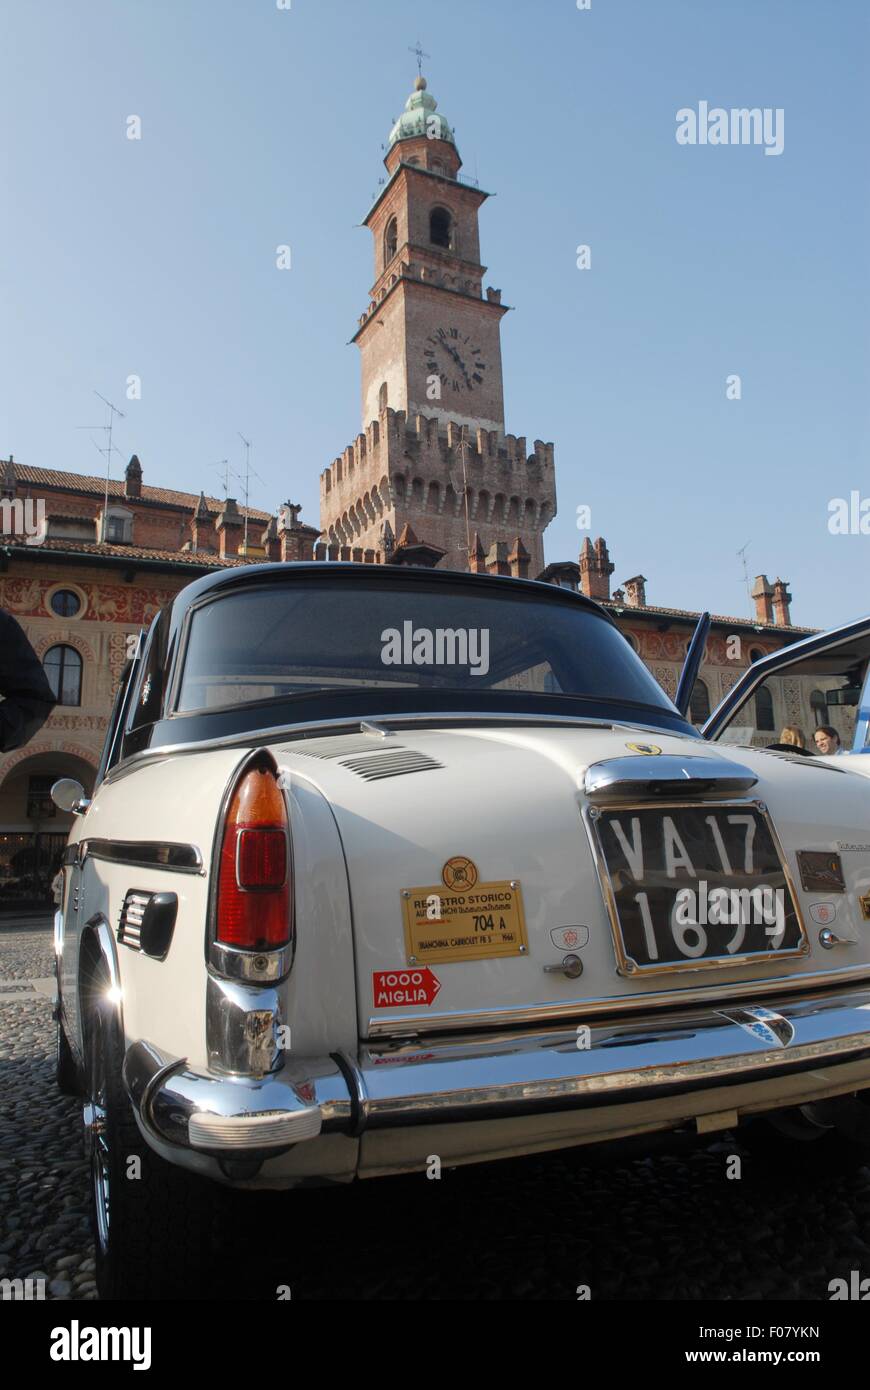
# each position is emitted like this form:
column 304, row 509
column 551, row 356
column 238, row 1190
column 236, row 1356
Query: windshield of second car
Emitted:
column 813, row 703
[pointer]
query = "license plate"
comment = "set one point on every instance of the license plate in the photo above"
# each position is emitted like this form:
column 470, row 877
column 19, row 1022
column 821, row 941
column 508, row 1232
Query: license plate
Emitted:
column 694, row 886
column 481, row 923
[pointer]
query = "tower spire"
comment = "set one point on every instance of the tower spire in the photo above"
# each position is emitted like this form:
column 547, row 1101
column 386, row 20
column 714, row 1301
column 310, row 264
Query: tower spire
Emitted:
column 420, row 55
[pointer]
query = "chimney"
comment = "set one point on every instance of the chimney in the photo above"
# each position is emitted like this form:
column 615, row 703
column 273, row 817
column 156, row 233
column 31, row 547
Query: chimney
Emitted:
column 8, row 482
column 763, row 595
column 595, row 569
column 269, row 540
column 296, row 539
column 200, row 526
column 230, row 527
column 133, row 478
column 476, row 557
column 635, row 592
column 497, row 560
column 781, row 601
column 519, row 559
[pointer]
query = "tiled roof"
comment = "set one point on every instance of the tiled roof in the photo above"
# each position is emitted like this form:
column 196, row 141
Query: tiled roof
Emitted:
column 628, row 608
column 134, row 552
column 96, row 487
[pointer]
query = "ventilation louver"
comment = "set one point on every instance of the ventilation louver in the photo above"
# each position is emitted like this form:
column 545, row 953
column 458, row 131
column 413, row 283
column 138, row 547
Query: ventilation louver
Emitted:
column 130, row 925
column 342, row 745
column 392, row 762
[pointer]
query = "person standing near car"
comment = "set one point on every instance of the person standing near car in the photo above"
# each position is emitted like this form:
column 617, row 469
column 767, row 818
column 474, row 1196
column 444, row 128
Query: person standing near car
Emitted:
column 28, row 698
column 827, row 741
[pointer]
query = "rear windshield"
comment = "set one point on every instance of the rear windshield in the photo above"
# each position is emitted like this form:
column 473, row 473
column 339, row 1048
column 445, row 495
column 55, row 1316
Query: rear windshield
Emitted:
column 277, row 643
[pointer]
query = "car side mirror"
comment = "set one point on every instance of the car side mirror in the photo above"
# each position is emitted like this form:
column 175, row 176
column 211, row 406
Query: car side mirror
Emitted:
column 69, row 795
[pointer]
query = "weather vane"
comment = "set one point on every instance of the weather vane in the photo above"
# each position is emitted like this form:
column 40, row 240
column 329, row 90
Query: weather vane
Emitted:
column 420, row 55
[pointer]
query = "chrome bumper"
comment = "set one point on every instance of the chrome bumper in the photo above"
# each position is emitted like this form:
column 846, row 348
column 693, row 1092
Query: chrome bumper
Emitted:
column 508, row 1074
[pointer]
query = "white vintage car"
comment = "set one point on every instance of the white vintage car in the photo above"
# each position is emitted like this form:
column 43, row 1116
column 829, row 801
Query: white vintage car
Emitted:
column 387, row 864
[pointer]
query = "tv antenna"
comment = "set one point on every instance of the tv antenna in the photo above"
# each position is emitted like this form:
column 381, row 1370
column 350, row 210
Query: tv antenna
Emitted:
column 463, row 453
column 246, row 480
column 108, row 450
column 742, row 553
column 224, row 465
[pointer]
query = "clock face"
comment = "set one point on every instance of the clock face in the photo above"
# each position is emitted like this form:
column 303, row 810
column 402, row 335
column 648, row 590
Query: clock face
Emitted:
column 455, row 358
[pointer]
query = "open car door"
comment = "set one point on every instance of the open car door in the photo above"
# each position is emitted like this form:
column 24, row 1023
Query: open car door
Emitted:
column 819, row 682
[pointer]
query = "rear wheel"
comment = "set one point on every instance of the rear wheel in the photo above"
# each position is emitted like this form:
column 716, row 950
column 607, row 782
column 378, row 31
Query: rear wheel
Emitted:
column 65, row 1070
column 152, row 1222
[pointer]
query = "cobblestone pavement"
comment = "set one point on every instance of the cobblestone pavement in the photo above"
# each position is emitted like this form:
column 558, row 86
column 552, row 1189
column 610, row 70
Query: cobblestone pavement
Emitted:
column 670, row 1226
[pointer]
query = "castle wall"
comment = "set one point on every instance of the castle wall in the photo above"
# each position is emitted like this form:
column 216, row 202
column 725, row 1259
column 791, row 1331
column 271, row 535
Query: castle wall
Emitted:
column 403, row 471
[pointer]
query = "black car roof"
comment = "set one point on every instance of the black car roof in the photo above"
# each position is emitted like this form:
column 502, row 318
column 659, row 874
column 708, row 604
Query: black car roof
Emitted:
column 242, row 722
column 274, row 572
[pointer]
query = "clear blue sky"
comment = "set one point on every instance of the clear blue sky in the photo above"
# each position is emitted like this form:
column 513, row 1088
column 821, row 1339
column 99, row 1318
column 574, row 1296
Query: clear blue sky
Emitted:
column 263, row 126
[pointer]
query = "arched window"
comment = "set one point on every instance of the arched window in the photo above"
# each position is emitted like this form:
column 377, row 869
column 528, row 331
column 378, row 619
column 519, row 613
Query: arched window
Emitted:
column 391, row 240
column 764, row 710
column 756, row 653
column 440, row 228
column 699, row 706
column 63, row 667
column 819, row 707
column 382, row 398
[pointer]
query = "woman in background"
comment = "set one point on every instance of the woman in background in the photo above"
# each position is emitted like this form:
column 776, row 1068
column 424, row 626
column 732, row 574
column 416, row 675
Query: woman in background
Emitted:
column 794, row 736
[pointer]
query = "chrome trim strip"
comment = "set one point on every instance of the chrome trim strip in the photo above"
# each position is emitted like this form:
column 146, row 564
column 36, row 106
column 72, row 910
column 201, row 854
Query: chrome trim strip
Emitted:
column 146, row 854
column 662, row 776
column 461, row 1079
column 251, row 967
column 253, row 738
column 629, row 968
column 394, row 1026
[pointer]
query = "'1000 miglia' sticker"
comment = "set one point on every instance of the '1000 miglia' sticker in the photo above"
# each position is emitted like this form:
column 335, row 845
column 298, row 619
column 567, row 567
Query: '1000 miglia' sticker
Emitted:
column 396, row 989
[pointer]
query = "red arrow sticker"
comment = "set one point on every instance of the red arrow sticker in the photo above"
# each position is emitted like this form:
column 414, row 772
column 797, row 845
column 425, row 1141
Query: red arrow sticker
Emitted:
column 397, row 988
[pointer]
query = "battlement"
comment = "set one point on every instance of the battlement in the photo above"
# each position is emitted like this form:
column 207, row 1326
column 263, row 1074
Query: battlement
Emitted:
column 440, row 478
column 390, row 443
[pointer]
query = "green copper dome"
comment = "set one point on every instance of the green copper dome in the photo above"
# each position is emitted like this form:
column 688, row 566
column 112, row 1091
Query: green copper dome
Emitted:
column 419, row 118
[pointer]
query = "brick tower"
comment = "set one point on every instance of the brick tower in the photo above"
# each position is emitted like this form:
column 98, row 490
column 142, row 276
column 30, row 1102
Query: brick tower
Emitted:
column 433, row 453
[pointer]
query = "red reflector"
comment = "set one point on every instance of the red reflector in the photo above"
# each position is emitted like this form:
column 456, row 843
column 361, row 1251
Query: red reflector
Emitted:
column 262, row 858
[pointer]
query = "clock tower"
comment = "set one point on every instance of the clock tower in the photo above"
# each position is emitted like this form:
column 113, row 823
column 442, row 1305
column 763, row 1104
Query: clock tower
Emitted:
column 434, row 454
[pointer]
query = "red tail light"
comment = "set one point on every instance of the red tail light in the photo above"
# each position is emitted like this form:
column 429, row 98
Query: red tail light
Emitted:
column 254, row 889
